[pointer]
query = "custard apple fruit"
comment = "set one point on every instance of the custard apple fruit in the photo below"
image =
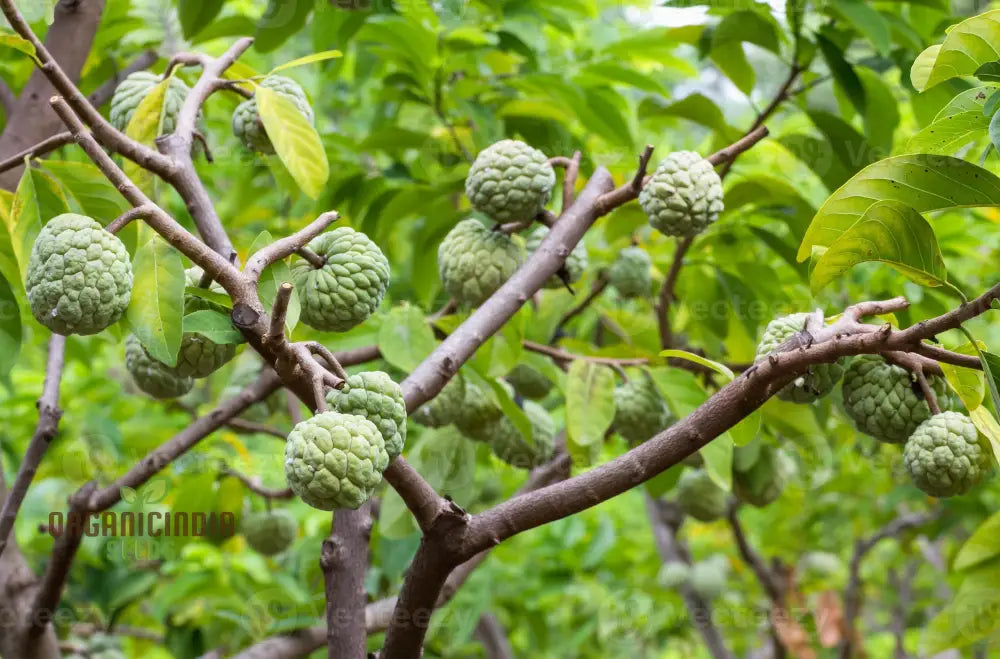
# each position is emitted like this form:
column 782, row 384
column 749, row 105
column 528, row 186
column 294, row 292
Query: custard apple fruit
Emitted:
column 820, row 565
column 814, row 384
column 884, row 400
column 574, row 265
column 192, row 279
column 630, row 273
column 510, row 181
column 132, row 90
column 674, row 574
column 945, row 456
column 199, row 356
column 683, row 196
column 270, row 532
column 350, row 285
column 640, row 411
column 444, row 407
column 474, row 261
column 509, row 444
column 708, row 579
column 478, row 414
column 762, row 482
column 151, row 375
column 247, row 125
column 335, row 460
column 699, row 496
column 528, row 382
column 79, row 276
column 374, row 396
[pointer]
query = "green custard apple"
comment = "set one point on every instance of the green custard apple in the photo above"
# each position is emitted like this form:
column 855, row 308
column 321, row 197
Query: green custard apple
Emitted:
column 528, row 382
column 683, row 196
column 443, row 408
column 135, row 88
column 762, row 482
column 818, row 381
column 630, row 274
column 478, row 414
column 151, row 375
column 374, row 396
column 575, row 265
column 270, row 532
column 474, row 261
column 640, row 411
column 674, row 574
column 247, row 124
column 79, row 278
column 510, row 181
column 510, row 445
column 945, row 456
column 699, row 496
column 708, row 580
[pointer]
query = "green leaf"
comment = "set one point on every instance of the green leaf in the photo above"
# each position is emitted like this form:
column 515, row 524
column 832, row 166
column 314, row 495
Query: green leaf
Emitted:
column 991, row 370
column 968, row 383
column 749, row 26
column 969, row 45
column 19, row 43
column 308, row 59
column 923, row 182
column 144, row 127
column 948, row 134
column 889, row 232
column 511, row 410
column 718, row 457
column 994, row 130
column 36, row 201
column 590, row 408
column 843, row 73
column 982, row 545
column 920, row 71
column 698, row 359
column 695, row 107
column 867, row 21
column 156, row 312
column 195, row 15
column 405, row 338
column 295, row 141
column 281, row 19
column 10, row 328
column 971, row 99
column 970, row 617
column 989, row 72
column 213, row 325
column 732, row 61
column 97, row 196
column 274, row 276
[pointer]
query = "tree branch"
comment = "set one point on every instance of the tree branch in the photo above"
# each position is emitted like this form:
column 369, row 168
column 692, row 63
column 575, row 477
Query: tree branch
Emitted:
column 493, row 637
column 47, row 145
column 244, row 425
column 285, row 247
column 344, row 561
column 103, row 94
column 667, row 293
column 595, row 290
column 254, row 485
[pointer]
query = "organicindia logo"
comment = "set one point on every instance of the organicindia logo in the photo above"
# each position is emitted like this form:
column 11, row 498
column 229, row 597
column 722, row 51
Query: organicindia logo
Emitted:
column 142, row 522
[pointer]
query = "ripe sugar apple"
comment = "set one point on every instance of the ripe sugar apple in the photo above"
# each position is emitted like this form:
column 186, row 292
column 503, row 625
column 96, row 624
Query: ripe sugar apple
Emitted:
column 474, row 261
column 374, row 396
column 674, row 574
column 708, row 579
column 528, row 382
column 630, row 273
column 270, row 532
column 247, row 125
column 151, row 375
column 350, row 285
column 683, row 196
column 335, row 460
column 699, row 496
column 79, row 276
column 444, row 407
column 574, row 265
column 640, row 411
column 944, row 456
column 762, row 483
column 885, row 402
column 132, row 90
column 818, row 381
column 510, row 181
column 509, row 444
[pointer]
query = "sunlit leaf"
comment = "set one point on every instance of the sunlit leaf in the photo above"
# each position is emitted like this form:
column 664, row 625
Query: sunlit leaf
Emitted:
column 19, row 43
column 295, row 141
column 308, row 59
column 982, row 545
column 405, row 339
column 156, row 311
column 590, row 408
column 968, row 45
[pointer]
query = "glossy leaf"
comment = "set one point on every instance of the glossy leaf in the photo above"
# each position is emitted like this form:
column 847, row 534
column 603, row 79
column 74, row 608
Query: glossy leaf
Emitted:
column 295, row 141
column 698, row 359
column 968, row 383
column 144, row 127
column 308, row 59
column 405, row 338
column 948, row 134
column 967, row 46
column 19, row 43
column 156, row 312
column 213, row 325
column 590, row 408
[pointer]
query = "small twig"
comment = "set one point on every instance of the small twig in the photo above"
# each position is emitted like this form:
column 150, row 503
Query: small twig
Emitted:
column 948, row 357
column 233, row 86
column 560, row 161
column 569, row 180
column 929, row 394
column 103, row 94
column 595, row 290
column 279, row 313
column 37, row 151
column 255, row 486
column 449, row 307
column 512, row 227
column 561, row 355
column 245, row 425
column 668, row 295
column 287, row 246
column 315, row 259
column 125, row 218
column 332, row 364
column 185, row 59
column 729, row 153
column 546, row 217
column 198, row 135
column 640, row 174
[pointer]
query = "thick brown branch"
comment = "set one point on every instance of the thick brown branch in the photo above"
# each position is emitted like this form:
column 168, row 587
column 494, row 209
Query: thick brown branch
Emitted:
column 344, row 561
column 731, row 152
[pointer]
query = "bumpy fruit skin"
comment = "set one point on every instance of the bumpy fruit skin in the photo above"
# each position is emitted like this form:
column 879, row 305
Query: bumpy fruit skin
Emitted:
column 944, row 455
column 818, row 381
column 133, row 89
column 575, row 265
column 708, row 580
column 444, row 408
column 699, row 496
column 335, row 460
column 479, row 413
column 374, row 396
column 640, row 411
column 674, row 574
column 883, row 400
column 630, row 273
column 683, row 196
column 763, row 481
column 348, row 288
column 79, row 276
column 153, row 376
column 474, row 262
column 528, row 382
column 247, row 125
column 510, row 446
column 510, row 181
column 269, row 533
column 199, row 356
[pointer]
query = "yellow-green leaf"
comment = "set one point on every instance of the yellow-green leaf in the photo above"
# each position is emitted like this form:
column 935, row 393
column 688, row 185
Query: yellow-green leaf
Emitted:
column 982, row 545
column 698, row 359
column 156, row 312
column 404, row 338
column 10, row 328
column 590, row 408
column 19, row 43
column 968, row 383
column 144, row 127
column 968, row 45
column 308, row 59
column 949, row 134
column 920, row 72
column 988, row 428
column 295, row 141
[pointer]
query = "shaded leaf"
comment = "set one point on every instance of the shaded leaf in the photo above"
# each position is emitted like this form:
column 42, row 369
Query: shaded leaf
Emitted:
column 590, row 408
column 868, row 21
column 281, row 19
column 195, row 15
column 273, row 276
column 405, row 338
column 156, row 311
column 982, row 545
column 10, row 328
column 843, row 73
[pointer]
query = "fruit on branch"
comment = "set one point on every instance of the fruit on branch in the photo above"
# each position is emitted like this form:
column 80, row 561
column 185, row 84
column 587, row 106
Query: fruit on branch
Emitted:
column 199, row 356
column 674, row 574
column 574, row 265
column 699, row 496
column 945, row 456
column 818, row 381
column 79, row 278
column 760, row 482
column 630, row 273
column 270, row 532
column 528, row 382
column 474, row 261
column 443, row 408
column 510, row 181
column 247, row 369
column 708, row 579
column 151, row 375
column 135, row 88
column 247, row 125
column 335, row 460
column 515, row 449
column 374, row 396
column 350, row 285
column 640, row 411
column 478, row 413
column 683, row 196
column 885, row 401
